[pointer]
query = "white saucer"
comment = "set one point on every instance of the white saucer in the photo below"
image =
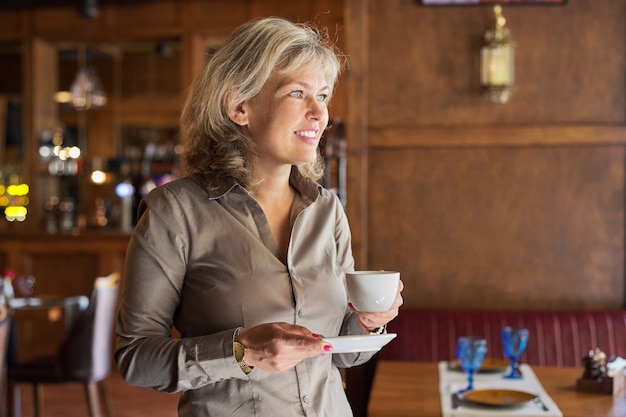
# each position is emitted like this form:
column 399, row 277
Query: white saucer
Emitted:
column 364, row 343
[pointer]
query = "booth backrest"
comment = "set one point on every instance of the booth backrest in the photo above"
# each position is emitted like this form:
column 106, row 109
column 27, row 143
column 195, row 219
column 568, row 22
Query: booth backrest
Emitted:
column 557, row 338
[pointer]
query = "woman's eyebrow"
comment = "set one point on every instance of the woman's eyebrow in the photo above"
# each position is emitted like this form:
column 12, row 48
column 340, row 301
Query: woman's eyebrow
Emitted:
column 301, row 83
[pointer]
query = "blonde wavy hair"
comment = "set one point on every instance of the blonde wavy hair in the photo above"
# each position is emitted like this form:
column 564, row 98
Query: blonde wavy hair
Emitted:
column 215, row 146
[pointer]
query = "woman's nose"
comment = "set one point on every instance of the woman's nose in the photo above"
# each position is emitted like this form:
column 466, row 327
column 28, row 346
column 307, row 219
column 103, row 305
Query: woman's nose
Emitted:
column 317, row 109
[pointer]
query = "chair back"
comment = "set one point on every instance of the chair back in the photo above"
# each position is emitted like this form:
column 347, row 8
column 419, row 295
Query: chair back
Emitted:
column 87, row 352
column 5, row 331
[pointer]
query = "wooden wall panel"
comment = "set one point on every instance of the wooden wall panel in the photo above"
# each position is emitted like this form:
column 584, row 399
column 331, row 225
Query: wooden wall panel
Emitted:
column 151, row 19
column 64, row 265
column 569, row 64
column 12, row 24
column 62, row 275
column 217, row 17
column 295, row 11
column 501, row 227
column 59, row 21
column 157, row 19
column 515, row 206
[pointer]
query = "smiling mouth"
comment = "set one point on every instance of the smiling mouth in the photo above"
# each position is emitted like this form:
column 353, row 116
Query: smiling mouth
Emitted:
column 307, row 133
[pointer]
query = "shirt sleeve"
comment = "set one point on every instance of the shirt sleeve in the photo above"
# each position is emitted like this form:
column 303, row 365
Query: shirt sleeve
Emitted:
column 351, row 325
column 146, row 353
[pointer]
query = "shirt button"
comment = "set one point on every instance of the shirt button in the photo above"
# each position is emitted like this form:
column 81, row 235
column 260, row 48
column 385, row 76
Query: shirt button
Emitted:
column 300, row 313
column 305, row 399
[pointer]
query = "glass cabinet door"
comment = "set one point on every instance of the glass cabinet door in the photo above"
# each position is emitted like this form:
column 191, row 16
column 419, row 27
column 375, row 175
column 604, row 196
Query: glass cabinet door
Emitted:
column 75, row 164
column 14, row 193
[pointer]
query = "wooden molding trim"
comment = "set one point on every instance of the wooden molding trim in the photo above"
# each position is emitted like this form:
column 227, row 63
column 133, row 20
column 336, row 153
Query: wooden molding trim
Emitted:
column 497, row 136
column 356, row 31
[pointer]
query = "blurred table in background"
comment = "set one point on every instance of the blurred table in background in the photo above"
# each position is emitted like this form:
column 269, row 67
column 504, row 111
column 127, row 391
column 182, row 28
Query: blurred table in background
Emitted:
column 403, row 389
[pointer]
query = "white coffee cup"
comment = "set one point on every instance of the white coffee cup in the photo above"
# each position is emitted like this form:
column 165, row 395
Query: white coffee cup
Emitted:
column 372, row 291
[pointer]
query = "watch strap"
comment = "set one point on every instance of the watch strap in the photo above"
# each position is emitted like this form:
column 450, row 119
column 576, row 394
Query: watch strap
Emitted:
column 379, row 330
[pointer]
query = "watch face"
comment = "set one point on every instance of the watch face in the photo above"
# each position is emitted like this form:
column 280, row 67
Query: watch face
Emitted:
column 239, row 351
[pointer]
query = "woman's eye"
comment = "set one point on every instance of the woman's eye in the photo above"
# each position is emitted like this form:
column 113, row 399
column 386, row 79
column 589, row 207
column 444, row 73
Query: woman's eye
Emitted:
column 323, row 97
column 297, row 94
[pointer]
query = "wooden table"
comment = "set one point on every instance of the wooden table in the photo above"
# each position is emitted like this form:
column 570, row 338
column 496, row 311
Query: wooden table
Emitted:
column 412, row 389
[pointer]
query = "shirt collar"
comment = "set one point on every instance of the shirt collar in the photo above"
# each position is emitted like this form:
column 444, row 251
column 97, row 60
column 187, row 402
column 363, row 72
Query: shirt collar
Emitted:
column 310, row 190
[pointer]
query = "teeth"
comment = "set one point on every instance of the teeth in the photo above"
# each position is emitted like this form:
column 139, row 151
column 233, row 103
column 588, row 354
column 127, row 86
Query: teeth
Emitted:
column 306, row 133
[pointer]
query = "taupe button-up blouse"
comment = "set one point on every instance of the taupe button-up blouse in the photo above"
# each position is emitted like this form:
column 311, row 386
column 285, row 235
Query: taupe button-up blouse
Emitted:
column 205, row 263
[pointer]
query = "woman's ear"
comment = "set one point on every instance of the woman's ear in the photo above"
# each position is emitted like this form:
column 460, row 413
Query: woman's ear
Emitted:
column 235, row 109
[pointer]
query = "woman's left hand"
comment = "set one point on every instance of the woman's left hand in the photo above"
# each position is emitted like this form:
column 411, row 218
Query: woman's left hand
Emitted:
column 371, row 321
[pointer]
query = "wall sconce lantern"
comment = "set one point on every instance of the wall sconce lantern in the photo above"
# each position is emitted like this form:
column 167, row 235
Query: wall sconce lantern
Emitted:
column 497, row 62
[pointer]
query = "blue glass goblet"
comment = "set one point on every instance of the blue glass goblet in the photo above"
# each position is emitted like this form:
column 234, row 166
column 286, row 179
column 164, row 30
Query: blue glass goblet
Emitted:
column 470, row 352
column 514, row 342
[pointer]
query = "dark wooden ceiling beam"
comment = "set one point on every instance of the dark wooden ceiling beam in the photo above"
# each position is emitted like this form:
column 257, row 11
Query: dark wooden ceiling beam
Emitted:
column 28, row 4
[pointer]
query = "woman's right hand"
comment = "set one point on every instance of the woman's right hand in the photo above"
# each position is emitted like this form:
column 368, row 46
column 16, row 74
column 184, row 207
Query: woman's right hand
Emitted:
column 276, row 347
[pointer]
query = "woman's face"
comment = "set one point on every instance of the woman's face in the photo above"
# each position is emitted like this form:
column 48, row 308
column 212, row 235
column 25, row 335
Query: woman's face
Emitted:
column 287, row 118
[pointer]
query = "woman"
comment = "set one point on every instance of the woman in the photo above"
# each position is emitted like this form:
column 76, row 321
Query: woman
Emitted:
column 246, row 256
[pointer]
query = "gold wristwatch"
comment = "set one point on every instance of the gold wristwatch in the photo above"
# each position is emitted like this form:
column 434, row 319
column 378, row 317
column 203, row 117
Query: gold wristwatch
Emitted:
column 379, row 330
column 239, row 350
